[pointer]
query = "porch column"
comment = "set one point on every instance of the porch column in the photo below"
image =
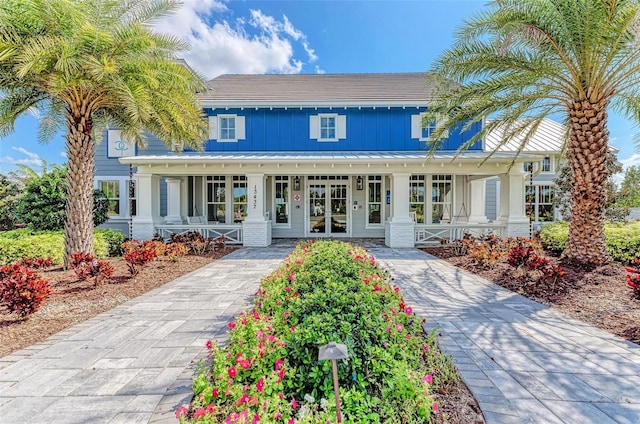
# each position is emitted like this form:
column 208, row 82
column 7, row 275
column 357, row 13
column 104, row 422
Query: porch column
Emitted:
column 256, row 230
column 148, row 203
column 517, row 220
column 503, row 213
column 173, row 201
column 399, row 231
column 477, row 201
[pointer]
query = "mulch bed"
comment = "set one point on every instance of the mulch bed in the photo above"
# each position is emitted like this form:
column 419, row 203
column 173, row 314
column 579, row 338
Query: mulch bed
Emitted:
column 599, row 296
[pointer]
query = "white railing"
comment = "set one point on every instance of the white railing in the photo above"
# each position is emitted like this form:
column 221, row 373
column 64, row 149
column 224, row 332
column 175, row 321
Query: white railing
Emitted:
column 233, row 233
column 436, row 232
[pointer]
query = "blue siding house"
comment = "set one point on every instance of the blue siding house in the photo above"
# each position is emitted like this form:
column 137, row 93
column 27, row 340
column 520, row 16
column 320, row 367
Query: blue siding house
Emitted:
column 339, row 156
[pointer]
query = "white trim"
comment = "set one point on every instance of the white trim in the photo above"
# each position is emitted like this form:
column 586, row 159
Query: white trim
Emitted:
column 123, row 187
column 333, row 116
column 327, row 183
column 367, row 224
column 289, row 181
column 227, row 104
column 417, row 127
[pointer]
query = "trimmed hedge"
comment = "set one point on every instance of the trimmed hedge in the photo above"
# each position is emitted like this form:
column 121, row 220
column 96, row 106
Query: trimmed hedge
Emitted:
column 623, row 239
column 26, row 243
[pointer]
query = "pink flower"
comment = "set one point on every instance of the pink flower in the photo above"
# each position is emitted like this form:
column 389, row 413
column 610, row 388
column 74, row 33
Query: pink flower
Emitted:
column 260, row 384
column 232, row 372
column 408, row 310
column 280, row 395
column 243, row 399
column 181, row 412
column 286, row 314
column 399, row 327
column 281, row 374
column 287, row 289
column 245, row 364
column 291, row 421
column 200, row 412
column 231, row 325
column 279, row 364
column 407, row 336
column 294, row 404
column 256, row 419
column 435, row 407
column 209, row 344
column 215, row 393
column 259, row 335
column 426, row 348
column 277, row 416
column 428, row 379
column 211, row 408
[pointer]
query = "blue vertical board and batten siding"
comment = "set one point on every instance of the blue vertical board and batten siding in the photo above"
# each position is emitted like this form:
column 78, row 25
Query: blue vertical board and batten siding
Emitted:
column 368, row 129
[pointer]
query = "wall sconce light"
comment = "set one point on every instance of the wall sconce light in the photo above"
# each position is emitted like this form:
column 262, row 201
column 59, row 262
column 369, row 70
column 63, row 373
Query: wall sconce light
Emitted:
column 296, row 183
column 359, row 182
column 334, row 351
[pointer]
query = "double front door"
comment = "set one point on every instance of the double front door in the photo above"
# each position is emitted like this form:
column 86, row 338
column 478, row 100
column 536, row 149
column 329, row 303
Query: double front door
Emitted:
column 328, row 213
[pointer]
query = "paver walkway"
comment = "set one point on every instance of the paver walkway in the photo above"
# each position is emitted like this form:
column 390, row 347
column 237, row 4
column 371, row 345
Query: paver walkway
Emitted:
column 127, row 365
column 524, row 362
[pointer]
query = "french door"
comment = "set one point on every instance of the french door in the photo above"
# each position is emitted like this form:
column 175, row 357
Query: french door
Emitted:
column 327, row 212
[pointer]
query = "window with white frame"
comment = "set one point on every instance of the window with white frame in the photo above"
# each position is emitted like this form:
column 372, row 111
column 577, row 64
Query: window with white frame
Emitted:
column 328, row 127
column 216, row 198
column 423, row 130
column 417, row 198
column 441, row 198
column 539, row 202
column 374, row 200
column 111, row 190
column 281, row 200
column 239, row 198
column 546, row 164
column 133, row 206
column 226, row 128
column 440, row 203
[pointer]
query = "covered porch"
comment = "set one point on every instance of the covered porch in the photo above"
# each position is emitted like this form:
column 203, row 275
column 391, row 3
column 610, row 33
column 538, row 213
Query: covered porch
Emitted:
column 401, row 197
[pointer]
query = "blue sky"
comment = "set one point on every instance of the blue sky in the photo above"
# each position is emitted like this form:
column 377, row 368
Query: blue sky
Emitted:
column 308, row 36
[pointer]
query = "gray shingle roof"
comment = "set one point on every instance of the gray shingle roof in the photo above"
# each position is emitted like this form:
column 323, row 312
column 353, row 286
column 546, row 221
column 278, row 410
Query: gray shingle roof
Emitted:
column 303, row 88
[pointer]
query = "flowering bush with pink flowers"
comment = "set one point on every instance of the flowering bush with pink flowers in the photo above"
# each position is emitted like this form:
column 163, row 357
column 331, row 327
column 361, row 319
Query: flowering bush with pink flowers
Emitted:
column 325, row 291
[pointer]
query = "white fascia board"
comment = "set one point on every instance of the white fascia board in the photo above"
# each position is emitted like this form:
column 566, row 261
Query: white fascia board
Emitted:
column 309, row 104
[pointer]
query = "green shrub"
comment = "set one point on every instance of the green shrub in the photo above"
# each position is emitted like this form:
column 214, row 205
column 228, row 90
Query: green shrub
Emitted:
column 24, row 243
column 113, row 238
column 325, row 291
column 623, row 239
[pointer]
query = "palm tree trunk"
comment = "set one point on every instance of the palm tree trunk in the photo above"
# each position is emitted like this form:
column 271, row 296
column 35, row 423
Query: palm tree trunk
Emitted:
column 78, row 227
column 588, row 147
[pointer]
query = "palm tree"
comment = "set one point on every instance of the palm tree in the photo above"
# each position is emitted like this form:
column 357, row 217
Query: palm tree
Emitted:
column 532, row 58
column 84, row 64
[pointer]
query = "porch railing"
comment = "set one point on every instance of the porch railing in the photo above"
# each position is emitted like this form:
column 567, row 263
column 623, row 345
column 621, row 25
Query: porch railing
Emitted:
column 434, row 233
column 233, row 232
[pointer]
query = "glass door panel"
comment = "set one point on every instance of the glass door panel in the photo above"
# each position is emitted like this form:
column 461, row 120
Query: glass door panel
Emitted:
column 317, row 208
column 338, row 208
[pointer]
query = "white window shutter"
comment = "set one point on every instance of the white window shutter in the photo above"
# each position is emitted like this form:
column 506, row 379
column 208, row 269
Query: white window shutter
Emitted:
column 341, row 126
column 213, row 127
column 416, row 126
column 240, row 131
column 314, row 127
column 439, row 123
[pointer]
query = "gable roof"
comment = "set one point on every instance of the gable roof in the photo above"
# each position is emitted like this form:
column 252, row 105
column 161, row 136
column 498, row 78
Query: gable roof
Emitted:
column 548, row 138
column 410, row 88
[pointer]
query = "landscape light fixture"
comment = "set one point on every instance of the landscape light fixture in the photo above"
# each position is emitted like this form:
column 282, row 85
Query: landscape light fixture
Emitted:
column 334, row 351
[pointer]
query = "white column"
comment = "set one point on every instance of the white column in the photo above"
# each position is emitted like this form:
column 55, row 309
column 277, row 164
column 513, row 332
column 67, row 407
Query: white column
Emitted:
column 148, row 202
column 503, row 212
column 400, row 230
column 173, row 201
column 256, row 230
column 477, row 200
column 517, row 220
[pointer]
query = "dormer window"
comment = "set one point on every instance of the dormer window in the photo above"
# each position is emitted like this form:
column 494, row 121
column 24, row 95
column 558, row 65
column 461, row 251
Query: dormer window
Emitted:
column 327, row 127
column 226, row 128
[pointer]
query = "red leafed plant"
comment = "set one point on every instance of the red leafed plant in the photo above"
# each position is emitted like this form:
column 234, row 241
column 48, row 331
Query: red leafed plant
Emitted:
column 86, row 266
column 633, row 277
column 22, row 290
column 36, row 263
column 520, row 255
column 137, row 258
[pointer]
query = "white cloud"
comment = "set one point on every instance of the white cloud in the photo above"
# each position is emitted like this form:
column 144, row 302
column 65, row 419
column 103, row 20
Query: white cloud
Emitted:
column 633, row 160
column 31, row 155
column 319, row 70
column 255, row 45
column 63, row 155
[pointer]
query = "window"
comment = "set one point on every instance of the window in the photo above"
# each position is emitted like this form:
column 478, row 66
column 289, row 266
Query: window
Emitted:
column 111, row 190
column 528, row 167
column 441, row 199
column 546, row 164
column 327, row 127
column 227, row 128
column 281, row 207
column 133, row 207
column 417, row 198
column 539, row 203
column 216, row 198
column 374, row 199
column 423, row 131
column 239, row 198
